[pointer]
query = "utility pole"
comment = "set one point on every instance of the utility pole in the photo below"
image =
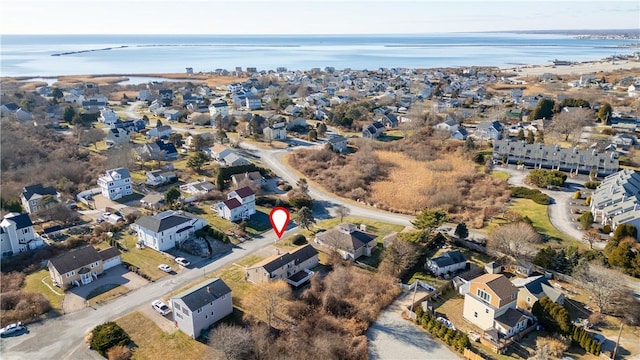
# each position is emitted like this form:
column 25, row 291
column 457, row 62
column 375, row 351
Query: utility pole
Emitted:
column 617, row 341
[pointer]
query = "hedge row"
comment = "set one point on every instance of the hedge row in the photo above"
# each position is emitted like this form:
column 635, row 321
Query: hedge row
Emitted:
column 534, row 194
column 583, row 339
column 454, row 338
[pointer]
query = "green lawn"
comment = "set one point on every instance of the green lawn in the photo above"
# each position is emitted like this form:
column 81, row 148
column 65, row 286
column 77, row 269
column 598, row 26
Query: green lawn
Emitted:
column 33, row 283
column 146, row 259
column 500, row 174
column 540, row 217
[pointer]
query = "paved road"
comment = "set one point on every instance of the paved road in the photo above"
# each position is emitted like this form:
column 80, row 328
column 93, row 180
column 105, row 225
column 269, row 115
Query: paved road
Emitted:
column 61, row 338
column 391, row 337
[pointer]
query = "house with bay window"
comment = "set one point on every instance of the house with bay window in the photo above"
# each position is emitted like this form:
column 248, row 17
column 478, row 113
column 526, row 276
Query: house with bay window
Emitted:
column 163, row 231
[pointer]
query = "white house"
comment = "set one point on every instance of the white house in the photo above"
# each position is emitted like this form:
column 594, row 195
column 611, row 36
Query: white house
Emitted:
column 163, row 231
column 201, row 306
column 17, row 235
column 449, row 262
column 253, row 103
column 32, row 197
column 616, row 200
column 240, row 205
column 276, row 131
column 108, row 116
column 116, row 183
column 219, row 108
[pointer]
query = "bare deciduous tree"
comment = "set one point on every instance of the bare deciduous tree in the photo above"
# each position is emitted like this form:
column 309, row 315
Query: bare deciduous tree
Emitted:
column 230, row 342
column 513, row 239
column 591, row 237
column 398, row 257
column 342, row 211
column 603, row 284
column 567, row 123
column 269, row 296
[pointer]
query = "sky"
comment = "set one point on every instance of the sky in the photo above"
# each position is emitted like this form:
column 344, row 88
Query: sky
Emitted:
column 310, row 16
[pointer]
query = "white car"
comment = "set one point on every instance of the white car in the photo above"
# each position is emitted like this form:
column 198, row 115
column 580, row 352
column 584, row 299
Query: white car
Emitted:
column 166, row 268
column 182, row 261
column 160, row 307
column 12, row 328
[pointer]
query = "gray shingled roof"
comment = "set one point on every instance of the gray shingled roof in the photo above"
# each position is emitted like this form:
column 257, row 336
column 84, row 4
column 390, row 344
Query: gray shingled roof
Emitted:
column 164, row 220
column 298, row 256
column 352, row 241
column 29, row 190
column 450, row 258
column 75, row 259
column 204, row 293
column 510, row 318
column 21, row 220
column 109, row 253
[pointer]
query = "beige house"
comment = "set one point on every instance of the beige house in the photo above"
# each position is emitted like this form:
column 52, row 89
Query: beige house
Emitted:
column 294, row 267
column 490, row 304
column 350, row 241
column 81, row 266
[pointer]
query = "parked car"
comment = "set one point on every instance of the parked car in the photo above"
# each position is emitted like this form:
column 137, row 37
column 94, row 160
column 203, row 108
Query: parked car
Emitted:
column 182, row 261
column 12, row 328
column 160, row 307
column 166, row 268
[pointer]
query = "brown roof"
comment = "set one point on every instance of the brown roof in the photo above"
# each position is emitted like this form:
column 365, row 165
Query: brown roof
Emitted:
column 232, row 203
column 498, row 283
column 245, row 192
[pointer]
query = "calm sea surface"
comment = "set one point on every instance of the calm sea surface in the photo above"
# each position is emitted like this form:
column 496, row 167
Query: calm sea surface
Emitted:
column 27, row 55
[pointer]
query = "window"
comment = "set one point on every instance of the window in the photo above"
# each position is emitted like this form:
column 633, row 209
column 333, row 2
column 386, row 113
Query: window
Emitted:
column 176, row 306
column 528, row 299
column 475, row 314
column 179, row 315
column 486, row 311
column 484, row 296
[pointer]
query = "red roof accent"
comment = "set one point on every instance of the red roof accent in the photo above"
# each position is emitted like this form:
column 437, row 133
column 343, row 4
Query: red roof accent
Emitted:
column 232, row 203
column 245, row 192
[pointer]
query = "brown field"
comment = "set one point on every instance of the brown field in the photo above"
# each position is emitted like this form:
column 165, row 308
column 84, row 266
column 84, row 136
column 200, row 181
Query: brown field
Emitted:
column 451, row 183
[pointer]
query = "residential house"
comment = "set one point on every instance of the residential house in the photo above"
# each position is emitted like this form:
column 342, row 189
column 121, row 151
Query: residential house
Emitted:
column 163, row 231
column 32, row 197
column 158, row 150
column 615, row 201
column 373, row 131
column 23, row 115
column 490, row 304
column 348, row 240
column 489, row 130
column 167, row 96
column 161, row 132
column 17, row 235
column 554, row 157
column 94, row 105
column 240, row 205
column 117, row 136
column 253, row 102
column 116, row 183
column 254, row 178
column 198, row 187
column 389, row 121
column 153, row 201
column 219, row 109
column 338, row 143
column 218, row 151
column 297, row 123
column 81, row 266
column 201, row 306
column 160, row 177
column 8, row 109
column 232, row 159
column 190, row 140
column 277, row 131
column 446, row 263
column 172, row 114
column 108, row 116
column 144, row 95
column 294, row 267
column 534, row 288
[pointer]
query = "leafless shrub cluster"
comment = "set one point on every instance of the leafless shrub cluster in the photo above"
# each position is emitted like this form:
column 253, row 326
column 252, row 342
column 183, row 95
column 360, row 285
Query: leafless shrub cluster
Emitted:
column 21, row 306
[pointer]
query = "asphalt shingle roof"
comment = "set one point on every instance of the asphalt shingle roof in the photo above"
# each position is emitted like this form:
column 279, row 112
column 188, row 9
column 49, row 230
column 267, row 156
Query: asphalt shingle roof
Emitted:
column 21, row 220
column 75, row 259
column 204, row 293
column 29, row 190
column 164, row 220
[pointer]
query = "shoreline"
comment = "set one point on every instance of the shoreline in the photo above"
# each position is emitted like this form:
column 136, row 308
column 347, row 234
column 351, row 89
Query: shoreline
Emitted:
column 517, row 70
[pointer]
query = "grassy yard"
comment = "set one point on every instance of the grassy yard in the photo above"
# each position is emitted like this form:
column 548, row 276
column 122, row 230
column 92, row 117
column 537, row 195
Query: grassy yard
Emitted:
column 146, row 259
column 427, row 278
column 500, row 174
column 33, row 283
column 106, row 293
column 153, row 343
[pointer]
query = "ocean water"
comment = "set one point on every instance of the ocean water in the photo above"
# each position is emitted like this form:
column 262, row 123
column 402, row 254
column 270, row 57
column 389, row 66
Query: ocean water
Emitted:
column 31, row 55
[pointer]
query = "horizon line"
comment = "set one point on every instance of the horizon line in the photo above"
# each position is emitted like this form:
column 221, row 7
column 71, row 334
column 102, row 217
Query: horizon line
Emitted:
column 330, row 34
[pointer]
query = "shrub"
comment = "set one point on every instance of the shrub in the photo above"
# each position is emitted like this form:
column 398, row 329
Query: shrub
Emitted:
column 119, row 352
column 286, row 187
column 299, row 239
column 587, row 201
column 534, row 194
column 606, row 229
column 544, row 178
column 577, row 195
column 591, row 184
column 107, row 335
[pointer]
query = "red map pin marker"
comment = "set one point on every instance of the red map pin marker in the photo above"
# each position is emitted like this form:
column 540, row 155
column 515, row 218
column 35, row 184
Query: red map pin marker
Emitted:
column 279, row 217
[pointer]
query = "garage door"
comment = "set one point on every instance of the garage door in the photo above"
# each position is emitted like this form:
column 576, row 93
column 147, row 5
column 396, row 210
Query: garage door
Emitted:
column 109, row 263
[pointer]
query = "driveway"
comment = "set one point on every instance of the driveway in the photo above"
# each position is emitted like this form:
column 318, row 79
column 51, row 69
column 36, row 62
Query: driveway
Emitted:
column 391, row 337
column 75, row 298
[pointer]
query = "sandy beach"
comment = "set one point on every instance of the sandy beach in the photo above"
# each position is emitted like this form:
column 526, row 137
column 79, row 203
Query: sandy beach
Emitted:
column 588, row 67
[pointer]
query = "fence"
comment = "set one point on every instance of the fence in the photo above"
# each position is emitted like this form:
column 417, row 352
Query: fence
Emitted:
column 469, row 354
column 83, row 196
column 471, row 245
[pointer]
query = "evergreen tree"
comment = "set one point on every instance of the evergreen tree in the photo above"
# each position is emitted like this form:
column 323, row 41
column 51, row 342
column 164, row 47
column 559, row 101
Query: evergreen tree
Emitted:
column 521, row 135
column 530, row 137
column 540, row 137
column 604, row 113
column 543, row 110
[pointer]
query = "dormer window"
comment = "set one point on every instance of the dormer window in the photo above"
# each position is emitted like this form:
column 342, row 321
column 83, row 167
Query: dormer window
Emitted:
column 484, row 295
